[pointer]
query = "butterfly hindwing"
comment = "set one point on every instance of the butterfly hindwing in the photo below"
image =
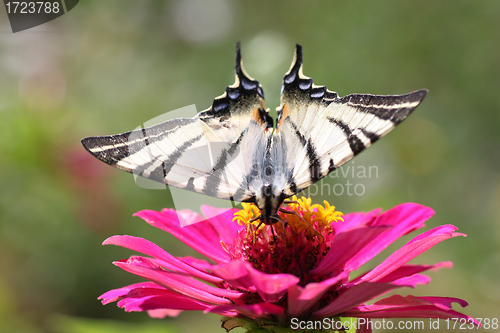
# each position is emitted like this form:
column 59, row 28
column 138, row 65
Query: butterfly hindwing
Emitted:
column 320, row 131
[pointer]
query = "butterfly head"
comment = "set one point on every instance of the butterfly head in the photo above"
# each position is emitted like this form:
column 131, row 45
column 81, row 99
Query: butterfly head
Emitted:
column 269, row 200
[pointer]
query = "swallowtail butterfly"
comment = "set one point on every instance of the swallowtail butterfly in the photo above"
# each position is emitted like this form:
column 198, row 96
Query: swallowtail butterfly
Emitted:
column 248, row 160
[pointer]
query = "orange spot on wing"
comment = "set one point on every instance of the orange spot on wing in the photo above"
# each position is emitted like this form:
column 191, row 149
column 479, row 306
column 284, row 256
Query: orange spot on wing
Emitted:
column 256, row 116
column 284, row 114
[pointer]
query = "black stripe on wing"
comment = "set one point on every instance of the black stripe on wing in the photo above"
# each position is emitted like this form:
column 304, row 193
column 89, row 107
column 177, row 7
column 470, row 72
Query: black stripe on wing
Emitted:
column 109, row 149
column 395, row 108
column 165, row 163
column 311, row 152
column 298, row 87
column 113, row 148
column 214, row 179
column 355, row 143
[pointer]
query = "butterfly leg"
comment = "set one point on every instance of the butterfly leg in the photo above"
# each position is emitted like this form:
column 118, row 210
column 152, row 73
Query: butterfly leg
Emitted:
column 258, row 226
column 257, row 218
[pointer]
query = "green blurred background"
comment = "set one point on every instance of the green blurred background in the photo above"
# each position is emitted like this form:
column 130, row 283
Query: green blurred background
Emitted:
column 108, row 66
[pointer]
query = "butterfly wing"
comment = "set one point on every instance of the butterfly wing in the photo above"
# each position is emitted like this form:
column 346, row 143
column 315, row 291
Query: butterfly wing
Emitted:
column 318, row 131
column 205, row 154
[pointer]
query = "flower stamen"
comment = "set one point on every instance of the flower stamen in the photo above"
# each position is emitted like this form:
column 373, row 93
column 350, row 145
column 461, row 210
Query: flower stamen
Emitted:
column 300, row 216
column 295, row 246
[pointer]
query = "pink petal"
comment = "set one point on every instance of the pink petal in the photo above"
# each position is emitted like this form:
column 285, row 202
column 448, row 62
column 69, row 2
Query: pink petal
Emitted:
column 221, row 221
column 445, row 302
column 345, row 245
column 201, row 264
column 412, row 281
column 250, row 310
column 152, row 264
column 411, row 269
column 410, row 214
column 404, row 218
column 398, row 306
column 116, row 294
column 148, row 248
column 182, row 284
column 200, row 236
column 241, row 274
column 236, row 274
column 401, row 302
column 300, row 299
column 353, row 220
column 353, row 296
column 151, row 299
column 413, row 248
column 427, row 311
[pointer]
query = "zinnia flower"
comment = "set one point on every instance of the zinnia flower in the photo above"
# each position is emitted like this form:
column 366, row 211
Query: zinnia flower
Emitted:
column 264, row 277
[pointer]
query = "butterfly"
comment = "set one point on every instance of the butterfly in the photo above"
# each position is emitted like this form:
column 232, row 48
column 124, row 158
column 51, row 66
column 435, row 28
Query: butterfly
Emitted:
column 233, row 151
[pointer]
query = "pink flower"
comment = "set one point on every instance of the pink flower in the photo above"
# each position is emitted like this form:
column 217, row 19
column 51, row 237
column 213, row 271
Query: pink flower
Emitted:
column 303, row 272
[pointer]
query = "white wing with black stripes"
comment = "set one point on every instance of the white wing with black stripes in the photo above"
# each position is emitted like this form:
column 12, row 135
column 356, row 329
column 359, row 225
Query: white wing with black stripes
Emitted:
column 317, row 131
column 231, row 152
column 206, row 154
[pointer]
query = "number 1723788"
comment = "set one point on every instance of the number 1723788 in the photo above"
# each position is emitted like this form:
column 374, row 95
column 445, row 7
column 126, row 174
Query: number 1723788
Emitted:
column 463, row 323
column 32, row 7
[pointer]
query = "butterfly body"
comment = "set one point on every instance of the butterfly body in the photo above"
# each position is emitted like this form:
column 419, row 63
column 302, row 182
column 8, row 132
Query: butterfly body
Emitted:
column 232, row 151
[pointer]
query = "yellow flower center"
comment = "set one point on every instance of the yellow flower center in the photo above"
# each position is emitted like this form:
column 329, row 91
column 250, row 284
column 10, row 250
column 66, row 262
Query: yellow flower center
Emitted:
column 296, row 249
column 302, row 216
